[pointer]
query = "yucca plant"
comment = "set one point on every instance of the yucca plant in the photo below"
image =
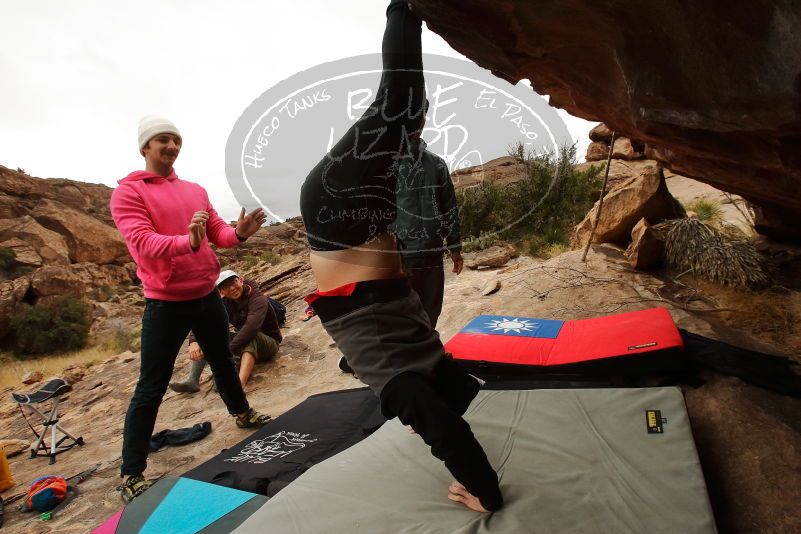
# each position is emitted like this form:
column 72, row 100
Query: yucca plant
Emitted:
column 697, row 246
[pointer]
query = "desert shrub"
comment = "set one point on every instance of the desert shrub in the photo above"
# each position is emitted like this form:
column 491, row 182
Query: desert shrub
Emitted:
column 484, row 240
column 250, row 261
column 117, row 336
column 270, row 257
column 708, row 211
column 7, row 256
column 548, row 202
column 696, row 246
column 57, row 327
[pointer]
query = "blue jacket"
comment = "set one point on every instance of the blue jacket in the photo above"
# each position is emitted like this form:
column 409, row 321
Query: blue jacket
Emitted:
column 428, row 217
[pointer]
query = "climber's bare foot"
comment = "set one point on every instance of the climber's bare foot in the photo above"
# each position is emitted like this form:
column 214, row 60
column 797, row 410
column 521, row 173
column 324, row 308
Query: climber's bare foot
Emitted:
column 458, row 493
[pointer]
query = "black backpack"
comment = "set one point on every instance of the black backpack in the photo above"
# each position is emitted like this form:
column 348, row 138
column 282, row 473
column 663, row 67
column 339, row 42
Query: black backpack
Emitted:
column 279, row 309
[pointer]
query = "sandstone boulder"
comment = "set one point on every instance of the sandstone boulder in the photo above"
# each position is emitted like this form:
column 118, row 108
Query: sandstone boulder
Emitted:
column 24, row 254
column 88, row 239
column 623, row 149
column 92, row 199
column 601, row 133
column 495, row 256
column 620, row 171
column 55, row 281
column 32, row 377
column 48, row 244
column 70, row 195
column 646, row 250
column 597, row 151
column 643, row 196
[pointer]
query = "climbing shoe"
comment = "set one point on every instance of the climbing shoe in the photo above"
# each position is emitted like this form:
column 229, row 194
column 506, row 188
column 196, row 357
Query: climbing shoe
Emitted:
column 133, row 488
column 252, row 419
column 344, row 366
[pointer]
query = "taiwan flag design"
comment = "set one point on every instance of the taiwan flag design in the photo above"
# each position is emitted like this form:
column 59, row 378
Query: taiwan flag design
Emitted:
column 546, row 342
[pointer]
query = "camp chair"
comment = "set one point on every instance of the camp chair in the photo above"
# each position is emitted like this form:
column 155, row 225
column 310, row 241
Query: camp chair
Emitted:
column 52, row 390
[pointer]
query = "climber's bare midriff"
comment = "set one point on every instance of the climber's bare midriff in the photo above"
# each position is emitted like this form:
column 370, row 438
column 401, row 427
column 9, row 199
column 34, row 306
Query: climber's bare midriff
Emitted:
column 375, row 260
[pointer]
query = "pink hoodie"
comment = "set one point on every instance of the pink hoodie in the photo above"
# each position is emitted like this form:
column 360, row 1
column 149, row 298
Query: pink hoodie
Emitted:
column 153, row 213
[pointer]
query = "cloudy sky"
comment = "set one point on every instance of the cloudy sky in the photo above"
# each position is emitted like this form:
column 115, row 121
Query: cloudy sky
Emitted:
column 78, row 75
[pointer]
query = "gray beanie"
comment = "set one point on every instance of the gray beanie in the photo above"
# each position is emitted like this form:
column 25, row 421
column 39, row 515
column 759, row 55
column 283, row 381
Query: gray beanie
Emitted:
column 151, row 125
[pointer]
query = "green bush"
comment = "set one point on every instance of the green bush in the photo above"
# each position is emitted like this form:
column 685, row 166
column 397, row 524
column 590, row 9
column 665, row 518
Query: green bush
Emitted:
column 547, row 203
column 7, row 256
column 60, row 326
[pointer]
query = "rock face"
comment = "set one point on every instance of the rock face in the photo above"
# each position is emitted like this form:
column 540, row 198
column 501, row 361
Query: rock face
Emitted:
column 713, row 87
column 500, row 171
column 621, row 171
column 53, row 281
column 26, row 192
column 645, row 195
column 49, row 245
column 12, row 293
column 88, row 239
column 24, row 254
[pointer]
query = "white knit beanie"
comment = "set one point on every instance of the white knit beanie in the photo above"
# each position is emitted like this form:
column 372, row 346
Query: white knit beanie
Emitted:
column 151, row 125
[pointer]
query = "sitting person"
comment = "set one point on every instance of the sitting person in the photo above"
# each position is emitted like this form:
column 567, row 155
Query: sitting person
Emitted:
column 257, row 332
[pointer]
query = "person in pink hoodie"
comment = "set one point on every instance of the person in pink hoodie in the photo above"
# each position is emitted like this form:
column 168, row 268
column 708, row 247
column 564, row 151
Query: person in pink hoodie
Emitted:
column 167, row 224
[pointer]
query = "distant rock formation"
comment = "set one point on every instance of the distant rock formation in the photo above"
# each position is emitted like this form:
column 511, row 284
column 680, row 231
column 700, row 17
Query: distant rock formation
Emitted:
column 63, row 242
column 500, row 171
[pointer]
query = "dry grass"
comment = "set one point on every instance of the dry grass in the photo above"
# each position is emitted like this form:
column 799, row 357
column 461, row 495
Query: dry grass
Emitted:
column 773, row 316
column 12, row 369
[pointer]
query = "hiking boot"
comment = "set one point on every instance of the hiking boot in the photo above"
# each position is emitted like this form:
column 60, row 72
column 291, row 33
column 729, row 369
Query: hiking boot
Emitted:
column 185, row 387
column 252, row 419
column 344, row 366
column 133, row 488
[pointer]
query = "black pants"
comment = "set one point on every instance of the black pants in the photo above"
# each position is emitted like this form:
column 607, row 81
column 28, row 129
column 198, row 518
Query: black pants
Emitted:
column 433, row 407
column 427, row 278
column 349, row 196
column 165, row 326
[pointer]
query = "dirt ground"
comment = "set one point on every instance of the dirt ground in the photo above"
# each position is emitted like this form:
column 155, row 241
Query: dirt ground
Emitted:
column 747, row 437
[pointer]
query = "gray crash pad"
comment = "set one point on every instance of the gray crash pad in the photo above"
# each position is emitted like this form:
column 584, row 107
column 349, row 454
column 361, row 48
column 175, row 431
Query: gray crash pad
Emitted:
column 591, row 460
